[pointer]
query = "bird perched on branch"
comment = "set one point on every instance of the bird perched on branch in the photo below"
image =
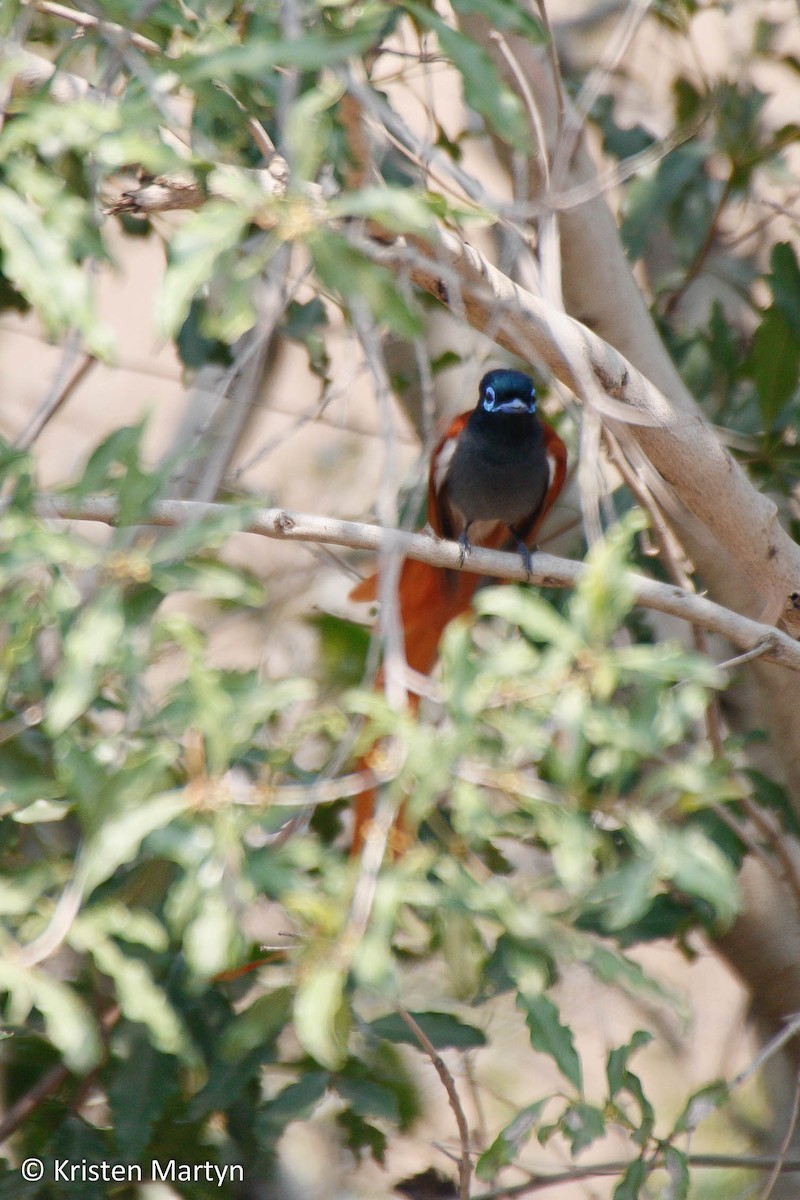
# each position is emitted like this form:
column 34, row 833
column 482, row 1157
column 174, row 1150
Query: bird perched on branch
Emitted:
column 494, row 477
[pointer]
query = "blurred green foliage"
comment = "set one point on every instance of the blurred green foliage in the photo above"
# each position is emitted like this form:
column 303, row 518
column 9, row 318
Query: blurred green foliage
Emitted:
column 141, row 787
column 565, row 796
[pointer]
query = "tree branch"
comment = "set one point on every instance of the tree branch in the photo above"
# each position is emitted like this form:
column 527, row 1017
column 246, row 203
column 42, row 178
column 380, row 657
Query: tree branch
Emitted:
column 548, row 571
column 725, row 1162
column 465, row 1161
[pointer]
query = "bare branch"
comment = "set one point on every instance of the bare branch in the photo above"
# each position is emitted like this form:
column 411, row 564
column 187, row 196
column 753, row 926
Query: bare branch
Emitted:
column 46, row 1085
column 465, row 1162
column 540, row 1183
column 547, row 571
column 773, row 1046
column 87, row 21
column 67, row 380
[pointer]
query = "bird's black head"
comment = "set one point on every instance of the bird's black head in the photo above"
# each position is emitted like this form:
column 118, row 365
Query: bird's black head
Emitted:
column 507, row 391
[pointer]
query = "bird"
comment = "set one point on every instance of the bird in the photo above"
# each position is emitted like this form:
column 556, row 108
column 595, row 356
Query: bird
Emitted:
column 494, row 476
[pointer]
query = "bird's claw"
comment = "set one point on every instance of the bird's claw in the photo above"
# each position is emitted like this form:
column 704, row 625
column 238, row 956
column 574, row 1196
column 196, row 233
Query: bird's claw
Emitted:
column 464, row 548
column 525, row 555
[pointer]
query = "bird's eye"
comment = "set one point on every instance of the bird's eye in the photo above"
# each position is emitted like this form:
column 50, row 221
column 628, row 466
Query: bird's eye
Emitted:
column 489, row 398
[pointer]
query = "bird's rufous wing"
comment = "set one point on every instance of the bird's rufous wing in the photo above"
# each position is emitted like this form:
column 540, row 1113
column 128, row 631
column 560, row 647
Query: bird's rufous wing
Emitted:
column 429, row 597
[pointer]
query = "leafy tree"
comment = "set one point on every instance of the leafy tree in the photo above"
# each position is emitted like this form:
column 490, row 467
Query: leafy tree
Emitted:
column 581, row 782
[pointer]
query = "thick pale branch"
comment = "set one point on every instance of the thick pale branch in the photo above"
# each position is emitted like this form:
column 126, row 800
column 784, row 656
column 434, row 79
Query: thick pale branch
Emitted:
column 548, row 571
column 680, row 444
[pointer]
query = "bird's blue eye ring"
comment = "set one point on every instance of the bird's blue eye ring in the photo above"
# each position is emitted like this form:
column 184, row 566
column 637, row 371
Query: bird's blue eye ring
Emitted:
column 489, row 398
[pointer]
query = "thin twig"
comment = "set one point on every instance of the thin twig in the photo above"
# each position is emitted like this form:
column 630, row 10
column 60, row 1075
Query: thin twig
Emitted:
column 46, row 1086
column 555, row 66
column 465, row 1162
column 741, row 659
column 724, row 1162
column 52, row 937
column 790, row 1030
column 697, row 263
column 67, row 380
column 87, row 21
column 532, row 108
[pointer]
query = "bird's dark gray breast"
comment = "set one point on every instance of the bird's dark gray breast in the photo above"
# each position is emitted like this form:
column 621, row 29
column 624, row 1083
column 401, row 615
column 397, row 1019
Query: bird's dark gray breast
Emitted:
column 498, row 474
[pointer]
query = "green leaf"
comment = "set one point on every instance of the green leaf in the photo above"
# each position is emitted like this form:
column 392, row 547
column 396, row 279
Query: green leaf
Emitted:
column 303, row 323
column 74, row 1140
column 296, row 1101
column 195, row 347
column 116, row 467
column 315, row 50
column 650, row 196
column 343, row 270
column 622, row 896
column 68, row 1022
column 620, row 142
column 140, row 998
column 507, row 15
column 696, row 865
column 90, row 646
column 632, row 1182
column 212, row 937
column 208, row 577
column 647, row 1116
column 773, row 796
column 14, row 1187
column 366, row 1097
column 142, row 1081
column 617, row 1066
column 210, row 533
column 784, row 282
column 42, row 811
column 400, row 210
column 701, row 1104
column 308, row 128
column 195, row 250
column 37, row 260
column 676, row 1165
column 506, row 1147
column 531, row 613
column 582, row 1124
column 773, row 364
column 259, row 1024
column 119, row 838
column 360, row 1135
column 321, row 1015
column 484, row 90
column 343, row 648
column 442, row 1029
column 604, row 594
column 550, row 1037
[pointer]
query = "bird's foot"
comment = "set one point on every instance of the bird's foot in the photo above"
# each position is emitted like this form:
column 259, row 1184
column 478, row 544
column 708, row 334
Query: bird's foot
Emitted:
column 464, row 548
column 525, row 555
